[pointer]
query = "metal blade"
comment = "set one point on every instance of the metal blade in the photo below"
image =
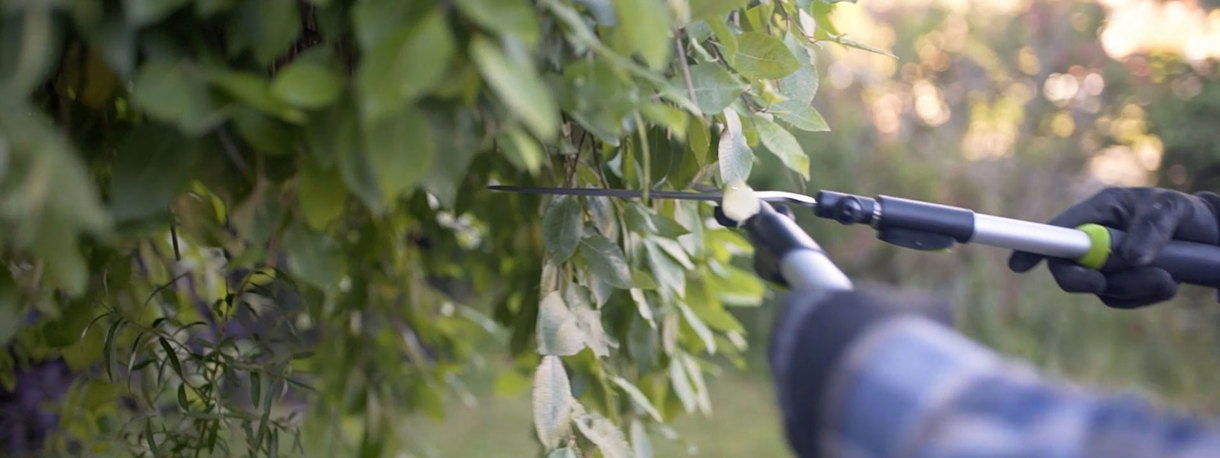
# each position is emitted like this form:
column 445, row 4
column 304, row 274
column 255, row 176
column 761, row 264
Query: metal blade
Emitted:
column 769, row 196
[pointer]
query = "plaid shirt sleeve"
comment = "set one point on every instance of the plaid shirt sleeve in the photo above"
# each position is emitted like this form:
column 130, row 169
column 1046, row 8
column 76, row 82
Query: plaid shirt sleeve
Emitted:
column 913, row 388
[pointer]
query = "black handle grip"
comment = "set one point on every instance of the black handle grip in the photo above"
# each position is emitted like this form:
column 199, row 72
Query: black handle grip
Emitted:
column 1188, row 262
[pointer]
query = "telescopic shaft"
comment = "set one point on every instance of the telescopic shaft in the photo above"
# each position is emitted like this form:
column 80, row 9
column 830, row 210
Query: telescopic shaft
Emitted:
column 929, row 226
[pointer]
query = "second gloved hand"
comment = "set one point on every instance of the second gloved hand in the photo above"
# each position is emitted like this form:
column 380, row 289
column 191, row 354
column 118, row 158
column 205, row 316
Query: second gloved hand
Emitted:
column 1151, row 217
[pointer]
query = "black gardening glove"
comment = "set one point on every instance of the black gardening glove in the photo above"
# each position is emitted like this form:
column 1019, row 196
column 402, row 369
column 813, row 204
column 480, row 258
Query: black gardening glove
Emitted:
column 1151, row 217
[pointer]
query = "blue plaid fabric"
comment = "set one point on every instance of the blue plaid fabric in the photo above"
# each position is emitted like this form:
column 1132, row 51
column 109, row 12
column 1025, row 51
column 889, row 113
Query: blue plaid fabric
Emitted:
column 913, row 388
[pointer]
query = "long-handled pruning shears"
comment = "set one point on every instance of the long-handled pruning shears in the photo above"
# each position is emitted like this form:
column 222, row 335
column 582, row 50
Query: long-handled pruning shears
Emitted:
column 922, row 226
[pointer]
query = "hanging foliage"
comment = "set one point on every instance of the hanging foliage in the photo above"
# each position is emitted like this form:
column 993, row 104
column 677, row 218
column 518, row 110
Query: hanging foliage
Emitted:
column 249, row 226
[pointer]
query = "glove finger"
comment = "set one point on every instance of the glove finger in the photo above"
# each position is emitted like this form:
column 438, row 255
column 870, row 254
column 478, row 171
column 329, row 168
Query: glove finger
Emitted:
column 1075, row 278
column 1138, row 287
column 1152, row 225
column 1107, row 208
column 1022, row 261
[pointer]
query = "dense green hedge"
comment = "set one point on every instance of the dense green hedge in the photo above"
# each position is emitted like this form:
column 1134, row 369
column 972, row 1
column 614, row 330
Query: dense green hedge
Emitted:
column 238, row 221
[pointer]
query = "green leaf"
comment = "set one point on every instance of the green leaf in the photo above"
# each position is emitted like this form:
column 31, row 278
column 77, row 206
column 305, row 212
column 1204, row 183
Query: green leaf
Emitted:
column 143, row 12
column 314, row 258
column 800, row 115
column 518, row 86
column 734, row 155
column 700, row 328
column 698, row 139
column 588, row 320
column 599, row 97
column 682, row 385
column 152, row 166
column 783, row 145
column 256, row 387
column 375, row 20
column 562, row 226
column 602, row 432
column 514, row 18
column 522, row 150
column 643, row 27
column 714, row 9
column 725, row 38
column 666, row 116
column 862, row 46
column 557, row 333
column 605, row 260
column 267, row 27
column 174, row 363
column 183, row 403
column 455, row 136
column 696, row 376
column 761, row 56
column 410, row 63
column 307, row 84
column 715, row 88
column 638, row 397
column 268, row 135
column 802, row 84
column 254, row 91
column 738, row 287
column 670, row 274
column 552, row 399
column 320, row 195
column 169, row 93
column 399, row 150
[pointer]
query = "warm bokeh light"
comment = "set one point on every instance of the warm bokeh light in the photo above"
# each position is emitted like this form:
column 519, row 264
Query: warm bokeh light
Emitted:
column 1140, row 26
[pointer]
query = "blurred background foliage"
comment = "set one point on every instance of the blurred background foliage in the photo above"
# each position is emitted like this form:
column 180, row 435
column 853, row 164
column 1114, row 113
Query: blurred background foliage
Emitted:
column 1010, row 107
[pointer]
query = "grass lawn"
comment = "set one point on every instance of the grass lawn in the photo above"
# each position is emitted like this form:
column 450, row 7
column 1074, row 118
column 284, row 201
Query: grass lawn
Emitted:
column 744, row 423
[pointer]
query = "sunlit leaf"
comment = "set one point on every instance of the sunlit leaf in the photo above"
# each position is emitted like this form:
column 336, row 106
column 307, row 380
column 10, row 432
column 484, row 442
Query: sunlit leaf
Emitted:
column 521, row 149
column 802, row 84
column 762, row 56
column 682, row 386
column 800, row 115
column 643, row 27
column 783, row 145
column 640, row 444
column 714, row 9
column 714, row 87
column 637, row 397
column 602, row 432
column 552, row 398
column 558, row 333
column 735, row 156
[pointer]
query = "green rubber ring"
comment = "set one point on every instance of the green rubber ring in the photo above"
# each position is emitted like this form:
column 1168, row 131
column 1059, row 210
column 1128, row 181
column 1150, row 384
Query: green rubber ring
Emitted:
column 1099, row 250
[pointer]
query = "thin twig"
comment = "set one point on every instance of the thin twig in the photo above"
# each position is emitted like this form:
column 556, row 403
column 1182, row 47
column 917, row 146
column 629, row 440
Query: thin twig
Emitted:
column 226, row 144
column 690, row 86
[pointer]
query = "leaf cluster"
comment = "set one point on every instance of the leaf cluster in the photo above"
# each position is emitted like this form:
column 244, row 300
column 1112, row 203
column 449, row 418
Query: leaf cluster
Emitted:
column 263, row 218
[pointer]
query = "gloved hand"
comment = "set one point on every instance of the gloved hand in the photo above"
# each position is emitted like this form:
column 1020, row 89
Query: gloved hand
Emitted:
column 1151, row 217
